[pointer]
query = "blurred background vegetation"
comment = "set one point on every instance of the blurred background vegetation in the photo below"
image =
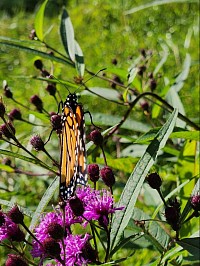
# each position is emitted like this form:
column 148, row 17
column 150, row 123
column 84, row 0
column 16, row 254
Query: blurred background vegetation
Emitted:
column 105, row 33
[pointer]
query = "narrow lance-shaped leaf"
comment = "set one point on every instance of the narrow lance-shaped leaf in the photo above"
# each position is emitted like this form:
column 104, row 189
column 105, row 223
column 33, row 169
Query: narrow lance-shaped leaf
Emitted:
column 67, row 35
column 135, row 181
column 44, row 202
column 39, row 19
column 80, row 66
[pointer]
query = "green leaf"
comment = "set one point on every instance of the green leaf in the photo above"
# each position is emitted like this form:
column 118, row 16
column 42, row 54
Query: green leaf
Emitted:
column 192, row 245
column 70, row 44
column 188, row 206
column 27, row 159
column 154, row 232
column 117, row 71
column 67, row 35
column 109, row 120
column 123, row 164
column 106, row 93
column 36, row 52
column 135, row 181
column 39, row 19
column 164, row 57
column 53, row 187
column 157, row 3
column 79, row 60
column 6, row 168
column 177, row 133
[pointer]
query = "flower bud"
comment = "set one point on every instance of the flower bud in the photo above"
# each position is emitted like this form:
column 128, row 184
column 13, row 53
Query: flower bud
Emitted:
column 35, row 100
column 107, row 176
column 93, row 172
column 172, row 214
column 2, row 109
column 103, row 220
column 96, row 137
column 7, row 161
column 51, row 89
column 16, row 234
column 55, row 230
column 16, row 215
column 114, row 61
column 56, row 122
column 15, row 114
column 37, row 143
column 38, row 64
column 89, row 253
column 7, row 130
column 77, row 206
column 145, row 106
column 141, row 70
column 152, row 84
column 143, row 52
column 15, row 260
column 51, row 247
column 8, row 93
column 154, row 180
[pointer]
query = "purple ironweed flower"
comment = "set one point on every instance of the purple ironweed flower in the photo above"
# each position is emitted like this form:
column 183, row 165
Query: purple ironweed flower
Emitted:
column 14, row 259
column 9, row 230
column 42, row 233
column 98, row 204
column 74, row 250
column 195, row 202
column 74, row 247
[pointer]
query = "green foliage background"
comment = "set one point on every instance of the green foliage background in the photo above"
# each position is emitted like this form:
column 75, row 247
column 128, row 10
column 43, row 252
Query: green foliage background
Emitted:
column 105, row 33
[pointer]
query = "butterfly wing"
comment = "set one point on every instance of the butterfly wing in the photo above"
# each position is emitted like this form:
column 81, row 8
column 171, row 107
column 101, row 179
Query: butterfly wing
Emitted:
column 73, row 153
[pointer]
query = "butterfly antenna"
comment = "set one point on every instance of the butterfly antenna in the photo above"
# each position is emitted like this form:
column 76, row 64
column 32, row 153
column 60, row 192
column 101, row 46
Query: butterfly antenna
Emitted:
column 51, row 76
column 90, row 78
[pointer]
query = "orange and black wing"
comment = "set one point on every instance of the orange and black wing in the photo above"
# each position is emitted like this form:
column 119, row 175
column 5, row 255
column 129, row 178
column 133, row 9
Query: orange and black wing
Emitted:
column 73, row 153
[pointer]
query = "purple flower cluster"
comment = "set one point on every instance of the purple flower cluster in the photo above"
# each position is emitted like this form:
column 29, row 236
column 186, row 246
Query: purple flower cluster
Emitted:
column 9, row 229
column 73, row 249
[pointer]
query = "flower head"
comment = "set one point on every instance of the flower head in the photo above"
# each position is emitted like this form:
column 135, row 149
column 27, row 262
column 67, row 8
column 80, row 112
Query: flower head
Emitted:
column 195, row 202
column 10, row 230
column 14, row 260
column 98, row 204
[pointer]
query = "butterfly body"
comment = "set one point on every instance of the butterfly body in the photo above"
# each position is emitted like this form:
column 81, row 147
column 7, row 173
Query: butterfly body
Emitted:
column 73, row 152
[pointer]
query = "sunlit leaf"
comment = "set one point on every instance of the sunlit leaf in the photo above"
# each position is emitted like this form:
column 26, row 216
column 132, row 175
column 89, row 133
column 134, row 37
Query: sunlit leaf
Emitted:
column 157, row 3
column 132, row 189
column 53, row 187
column 67, row 35
column 39, row 21
column 80, row 66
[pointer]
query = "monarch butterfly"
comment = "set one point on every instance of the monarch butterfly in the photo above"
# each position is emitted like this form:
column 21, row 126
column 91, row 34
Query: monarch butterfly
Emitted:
column 73, row 152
